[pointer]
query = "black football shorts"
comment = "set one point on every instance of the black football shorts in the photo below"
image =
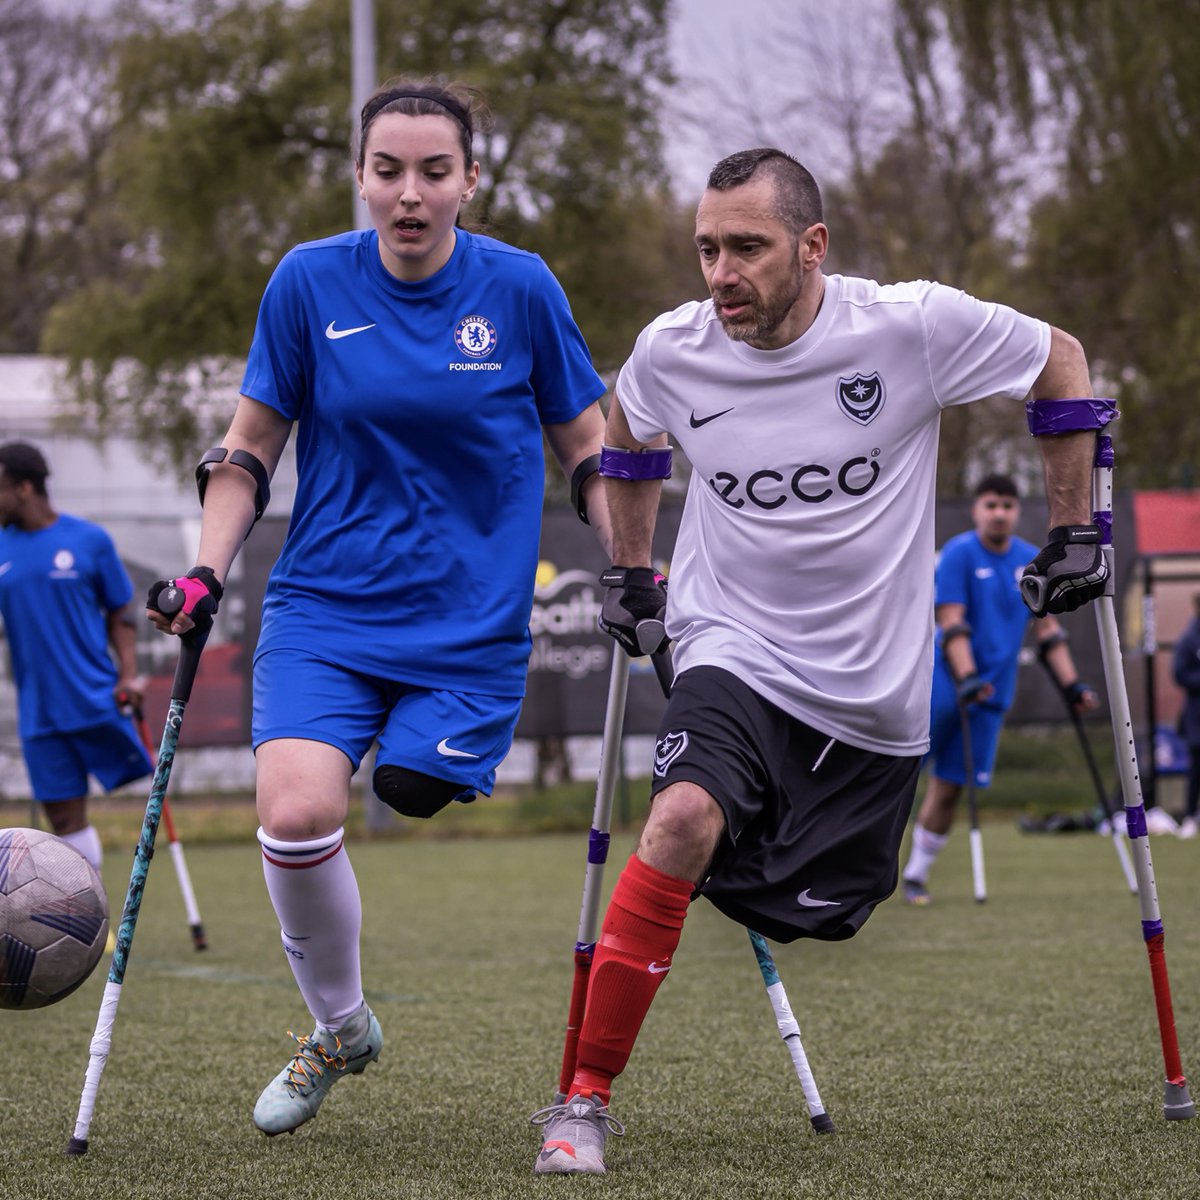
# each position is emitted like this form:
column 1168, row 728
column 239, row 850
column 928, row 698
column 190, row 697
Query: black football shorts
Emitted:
column 813, row 826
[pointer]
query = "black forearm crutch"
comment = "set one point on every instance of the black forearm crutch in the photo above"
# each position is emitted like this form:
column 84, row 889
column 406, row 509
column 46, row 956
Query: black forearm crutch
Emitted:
column 1177, row 1102
column 170, row 601
column 1110, row 809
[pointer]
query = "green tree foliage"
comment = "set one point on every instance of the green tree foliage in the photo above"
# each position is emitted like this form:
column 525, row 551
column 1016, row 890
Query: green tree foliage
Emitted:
column 231, row 140
column 56, row 230
column 1113, row 250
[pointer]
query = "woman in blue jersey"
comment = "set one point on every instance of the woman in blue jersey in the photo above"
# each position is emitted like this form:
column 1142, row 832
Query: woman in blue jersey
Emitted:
column 420, row 364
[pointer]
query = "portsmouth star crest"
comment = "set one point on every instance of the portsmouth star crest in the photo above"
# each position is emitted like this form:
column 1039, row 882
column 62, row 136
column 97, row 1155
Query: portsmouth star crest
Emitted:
column 475, row 336
column 861, row 397
column 668, row 749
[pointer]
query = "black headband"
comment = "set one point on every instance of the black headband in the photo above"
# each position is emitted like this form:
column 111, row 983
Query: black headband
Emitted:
column 372, row 109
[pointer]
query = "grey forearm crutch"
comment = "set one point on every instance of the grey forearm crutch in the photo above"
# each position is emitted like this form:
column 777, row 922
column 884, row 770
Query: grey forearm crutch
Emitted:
column 978, row 879
column 170, row 600
column 1177, row 1102
column 597, row 856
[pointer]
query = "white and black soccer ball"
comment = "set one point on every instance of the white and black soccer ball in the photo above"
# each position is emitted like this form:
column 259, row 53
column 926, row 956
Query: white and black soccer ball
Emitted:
column 53, row 918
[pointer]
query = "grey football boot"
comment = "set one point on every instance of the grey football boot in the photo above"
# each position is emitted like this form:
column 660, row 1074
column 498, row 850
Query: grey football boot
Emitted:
column 573, row 1136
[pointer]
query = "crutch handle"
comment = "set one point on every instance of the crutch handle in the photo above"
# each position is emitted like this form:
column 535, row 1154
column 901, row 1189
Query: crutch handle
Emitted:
column 1033, row 591
column 650, row 634
column 168, row 602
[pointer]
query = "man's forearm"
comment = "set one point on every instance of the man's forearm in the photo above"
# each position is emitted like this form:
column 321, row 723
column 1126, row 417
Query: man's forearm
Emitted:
column 633, row 510
column 1068, row 459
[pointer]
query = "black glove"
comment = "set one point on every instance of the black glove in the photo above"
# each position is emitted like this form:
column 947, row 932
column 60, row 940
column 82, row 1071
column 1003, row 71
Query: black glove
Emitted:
column 1076, row 693
column 1070, row 571
column 970, row 688
column 635, row 603
column 196, row 595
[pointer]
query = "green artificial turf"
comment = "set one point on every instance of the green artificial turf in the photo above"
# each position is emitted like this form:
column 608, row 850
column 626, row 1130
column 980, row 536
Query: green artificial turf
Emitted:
column 999, row 1050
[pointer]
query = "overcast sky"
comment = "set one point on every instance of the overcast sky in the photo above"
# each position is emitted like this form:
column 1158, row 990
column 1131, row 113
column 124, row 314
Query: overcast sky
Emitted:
column 776, row 72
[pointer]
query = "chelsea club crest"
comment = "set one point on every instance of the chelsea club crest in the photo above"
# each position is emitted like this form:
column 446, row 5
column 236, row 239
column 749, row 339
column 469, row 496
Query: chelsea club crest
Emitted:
column 475, row 336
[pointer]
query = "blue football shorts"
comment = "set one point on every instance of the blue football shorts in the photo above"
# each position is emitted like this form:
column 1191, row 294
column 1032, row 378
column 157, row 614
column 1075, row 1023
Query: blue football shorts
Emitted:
column 813, row 825
column 59, row 763
column 945, row 758
column 461, row 737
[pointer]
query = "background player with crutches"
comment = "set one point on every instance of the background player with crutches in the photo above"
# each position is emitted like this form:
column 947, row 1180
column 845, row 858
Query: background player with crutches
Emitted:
column 65, row 603
column 981, row 623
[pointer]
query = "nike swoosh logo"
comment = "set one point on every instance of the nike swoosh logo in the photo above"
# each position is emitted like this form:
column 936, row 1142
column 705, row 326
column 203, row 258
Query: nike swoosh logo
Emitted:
column 658, row 969
column 807, row 901
column 333, row 334
column 695, row 422
column 447, row 751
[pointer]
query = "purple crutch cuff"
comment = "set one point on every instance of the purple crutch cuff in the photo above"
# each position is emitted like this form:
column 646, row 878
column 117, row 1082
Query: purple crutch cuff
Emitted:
column 1068, row 416
column 617, row 463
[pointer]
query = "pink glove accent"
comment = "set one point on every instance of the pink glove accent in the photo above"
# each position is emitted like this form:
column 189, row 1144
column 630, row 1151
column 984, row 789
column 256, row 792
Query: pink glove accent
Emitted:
column 194, row 591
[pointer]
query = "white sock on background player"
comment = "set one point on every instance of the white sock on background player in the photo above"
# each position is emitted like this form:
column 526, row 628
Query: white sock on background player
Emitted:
column 87, row 842
column 926, row 847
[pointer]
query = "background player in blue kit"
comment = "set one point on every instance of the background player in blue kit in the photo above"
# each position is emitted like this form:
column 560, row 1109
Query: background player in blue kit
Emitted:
column 421, row 364
column 981, row 623
column 64, row 599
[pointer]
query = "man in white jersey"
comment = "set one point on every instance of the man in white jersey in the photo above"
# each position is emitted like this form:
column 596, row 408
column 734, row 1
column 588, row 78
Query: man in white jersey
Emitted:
column 801, row 595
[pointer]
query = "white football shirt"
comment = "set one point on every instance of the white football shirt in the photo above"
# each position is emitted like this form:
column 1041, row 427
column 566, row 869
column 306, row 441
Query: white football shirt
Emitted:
column 804, row 563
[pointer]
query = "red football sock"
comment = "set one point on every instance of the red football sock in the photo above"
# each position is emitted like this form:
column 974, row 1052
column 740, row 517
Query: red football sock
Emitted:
column 640, row 933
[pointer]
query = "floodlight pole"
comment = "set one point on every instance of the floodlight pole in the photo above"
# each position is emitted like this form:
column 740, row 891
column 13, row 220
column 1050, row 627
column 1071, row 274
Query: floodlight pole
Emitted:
column 362, row 80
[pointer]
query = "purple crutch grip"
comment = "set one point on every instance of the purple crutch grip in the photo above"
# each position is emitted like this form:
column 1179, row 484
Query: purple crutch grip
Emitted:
column 597, row 847
column 1048, row 417
column 637, row 465
column 1135, row 821
column 1104, row 452
column 1103, row 521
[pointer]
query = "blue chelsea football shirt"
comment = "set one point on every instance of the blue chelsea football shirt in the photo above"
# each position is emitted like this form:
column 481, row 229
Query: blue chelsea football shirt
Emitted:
column 57, row 587
column 987, row 583
column 414, row 537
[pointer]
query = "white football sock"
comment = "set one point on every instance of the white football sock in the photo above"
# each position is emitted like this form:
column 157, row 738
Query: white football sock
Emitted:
column 315, row 896
column 87, row 842
column 926, row 847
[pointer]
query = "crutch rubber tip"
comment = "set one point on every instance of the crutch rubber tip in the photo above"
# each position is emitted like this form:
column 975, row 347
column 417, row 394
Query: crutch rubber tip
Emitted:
column 823, row 1123
column 76, row 1146
column 198, row 938
column 1177, row 1103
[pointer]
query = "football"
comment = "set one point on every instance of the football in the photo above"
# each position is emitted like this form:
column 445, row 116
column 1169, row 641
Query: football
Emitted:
column 53, row 918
